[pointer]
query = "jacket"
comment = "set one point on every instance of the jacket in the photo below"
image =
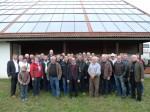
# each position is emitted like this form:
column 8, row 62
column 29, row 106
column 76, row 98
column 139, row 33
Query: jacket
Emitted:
column 138, row 71
column 76, row 75
column 123, row 68
column 64, row 67
column 23, row 77
column 83, row 67
column 34, row 70
column 58, row 70
column 107, row 69
column 11, row 70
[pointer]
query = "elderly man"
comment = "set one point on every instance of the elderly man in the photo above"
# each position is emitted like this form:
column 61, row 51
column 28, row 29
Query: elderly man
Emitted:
column 54, row 74
column 73, row 77
column 51, row 53
column 120, row 71
column 106, row 72
column 94, row 71
column 136, row 77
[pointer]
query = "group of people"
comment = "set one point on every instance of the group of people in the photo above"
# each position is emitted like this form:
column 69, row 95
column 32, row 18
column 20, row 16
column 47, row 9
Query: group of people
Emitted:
column 84, row 72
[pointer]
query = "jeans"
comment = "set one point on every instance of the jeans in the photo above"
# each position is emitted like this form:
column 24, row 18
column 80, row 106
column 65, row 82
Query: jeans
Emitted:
column 120, row 86
column 65, row 85
column 54, row 82
column 37, row 86
column 23, row 91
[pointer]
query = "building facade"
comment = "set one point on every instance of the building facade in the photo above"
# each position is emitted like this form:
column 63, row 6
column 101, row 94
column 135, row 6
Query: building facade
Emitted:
column 70, row 26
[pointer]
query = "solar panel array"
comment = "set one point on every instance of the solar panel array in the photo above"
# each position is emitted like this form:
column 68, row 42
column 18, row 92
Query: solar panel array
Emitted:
column 32, row 16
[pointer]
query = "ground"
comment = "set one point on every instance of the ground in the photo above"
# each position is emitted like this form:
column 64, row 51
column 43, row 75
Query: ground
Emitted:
column 48, row 103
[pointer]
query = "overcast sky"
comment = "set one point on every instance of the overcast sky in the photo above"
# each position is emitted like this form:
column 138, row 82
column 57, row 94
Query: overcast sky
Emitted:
column 141, row 4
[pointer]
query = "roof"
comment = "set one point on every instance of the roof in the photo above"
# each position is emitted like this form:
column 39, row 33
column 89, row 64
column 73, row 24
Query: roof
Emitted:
column 71, row 18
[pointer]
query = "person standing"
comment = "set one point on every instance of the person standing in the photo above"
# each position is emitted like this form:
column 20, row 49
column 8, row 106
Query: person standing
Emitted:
column 83, row 67
column 12, row 71
column 23, row 78
column 51, row 53
column 25, row 63
column 46, row 84
column 119, row 72
column 73, row 77
column 94, row 71
column 54, row 73
column 106, row 72
column 64, row 65
column 36, row 72
column 136, row 77
column 125, row 77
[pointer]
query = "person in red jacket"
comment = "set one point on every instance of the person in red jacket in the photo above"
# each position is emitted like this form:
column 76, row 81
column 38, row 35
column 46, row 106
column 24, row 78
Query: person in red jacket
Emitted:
column 36, row 71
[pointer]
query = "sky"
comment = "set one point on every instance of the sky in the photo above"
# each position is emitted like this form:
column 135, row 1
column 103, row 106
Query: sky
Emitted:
column 141, row 4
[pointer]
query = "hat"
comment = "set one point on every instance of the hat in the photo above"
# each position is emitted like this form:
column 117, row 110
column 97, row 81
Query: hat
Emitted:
column 112, row 55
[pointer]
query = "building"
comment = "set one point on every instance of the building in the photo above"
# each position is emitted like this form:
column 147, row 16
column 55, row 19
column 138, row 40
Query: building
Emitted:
column 100, row 26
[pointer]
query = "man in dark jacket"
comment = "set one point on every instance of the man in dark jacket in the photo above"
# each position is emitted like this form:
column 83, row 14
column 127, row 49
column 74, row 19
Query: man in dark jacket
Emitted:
column 73, row 77
column 46, row 84
column 12, row 71
column 83, row 67
column 120, row 71
column 106, row 72
column 136, row 77
column 64, row 65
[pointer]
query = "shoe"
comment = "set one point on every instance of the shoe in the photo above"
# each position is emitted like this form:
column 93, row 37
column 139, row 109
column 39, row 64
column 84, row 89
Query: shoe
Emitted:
column 123, row 97
column 13, row 96
column 105, row 96
column 84, row 93
column 57, row 98
column 138, row 100
column 36, row 97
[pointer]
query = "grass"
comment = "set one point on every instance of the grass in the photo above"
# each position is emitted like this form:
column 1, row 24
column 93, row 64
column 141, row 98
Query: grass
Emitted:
column 48, row 103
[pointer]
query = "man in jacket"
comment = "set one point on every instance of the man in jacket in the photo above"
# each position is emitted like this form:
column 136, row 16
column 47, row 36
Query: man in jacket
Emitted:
column 73, row 77
column 136, row 77
column 64, row 65
column 83, row 67
column 45, row 81
column 106, row 72
column 120, row 71
column 12, row 71
column 54, row 74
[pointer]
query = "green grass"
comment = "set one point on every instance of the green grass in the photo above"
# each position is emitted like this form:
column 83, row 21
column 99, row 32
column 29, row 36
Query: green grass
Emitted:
column 48, row 103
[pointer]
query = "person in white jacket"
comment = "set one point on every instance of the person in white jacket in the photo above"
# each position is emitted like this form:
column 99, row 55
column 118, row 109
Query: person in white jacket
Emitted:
column 25, row 63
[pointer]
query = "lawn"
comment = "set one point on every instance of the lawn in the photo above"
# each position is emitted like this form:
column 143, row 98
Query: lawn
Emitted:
column 48, row 103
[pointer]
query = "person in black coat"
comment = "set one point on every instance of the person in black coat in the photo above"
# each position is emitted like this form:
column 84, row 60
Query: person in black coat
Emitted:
column 73, row 77
column 12, row 71
column 84, row 68
column 64, row 65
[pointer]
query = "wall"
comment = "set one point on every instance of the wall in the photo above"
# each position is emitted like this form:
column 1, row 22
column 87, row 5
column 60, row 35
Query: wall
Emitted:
column 4, row 58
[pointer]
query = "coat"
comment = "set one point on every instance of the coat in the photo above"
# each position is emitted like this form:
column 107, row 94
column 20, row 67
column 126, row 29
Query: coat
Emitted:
column 11, row 70
column 64, row 67
column 138, row 71
column 34, row 70
column 76, row 75
column 58, row 70
column 107, row 70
